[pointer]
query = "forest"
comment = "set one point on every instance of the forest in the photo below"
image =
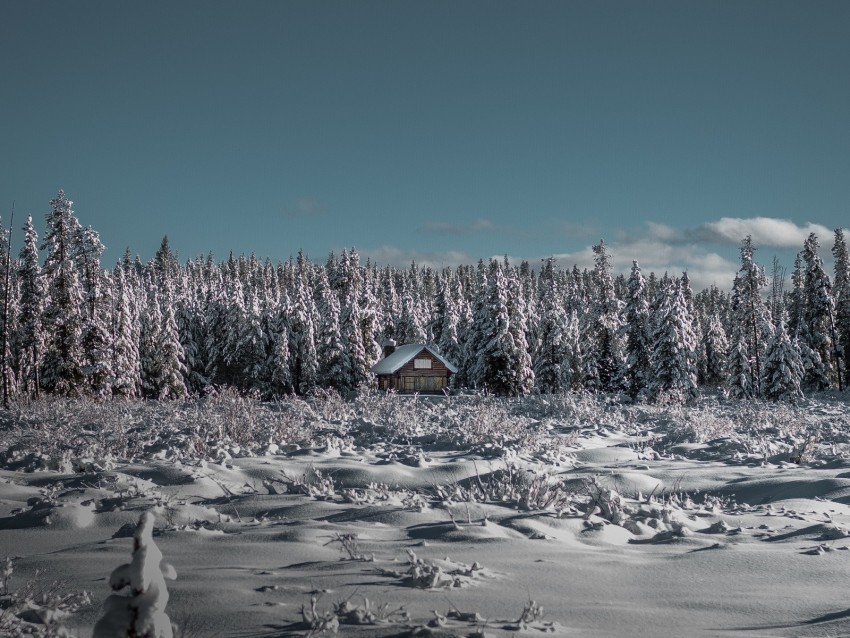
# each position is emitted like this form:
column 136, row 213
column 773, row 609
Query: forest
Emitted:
column 165, row 330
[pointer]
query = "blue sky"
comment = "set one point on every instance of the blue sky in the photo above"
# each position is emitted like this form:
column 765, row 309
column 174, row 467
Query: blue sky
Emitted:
column 436, row 131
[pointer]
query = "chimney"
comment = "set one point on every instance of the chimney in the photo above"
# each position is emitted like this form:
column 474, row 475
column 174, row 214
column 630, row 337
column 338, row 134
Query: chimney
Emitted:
column 389, row 347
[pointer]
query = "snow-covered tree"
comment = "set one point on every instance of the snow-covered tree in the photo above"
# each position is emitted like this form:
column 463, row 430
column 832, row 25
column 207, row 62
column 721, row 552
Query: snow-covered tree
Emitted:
column 817, row 329
column 173, row 370
column 501, row 365
column 140, row 613
column 551, row 371
column 674, row 375
column 96, row 331
column 447, row 333
column 751, row 326
column 714, row 348
column 408, row 328
column 279, row 360
column 329, row 346
column 519, row 329
column 605, row 359
column 783, row 368
column 638, row 337
column 126, row 366
column 62, row 365
column 841, row 290
column 302, row 333
column 31, row 305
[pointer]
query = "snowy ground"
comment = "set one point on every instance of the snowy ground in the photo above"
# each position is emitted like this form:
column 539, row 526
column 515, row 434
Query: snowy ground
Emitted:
column 715, row 521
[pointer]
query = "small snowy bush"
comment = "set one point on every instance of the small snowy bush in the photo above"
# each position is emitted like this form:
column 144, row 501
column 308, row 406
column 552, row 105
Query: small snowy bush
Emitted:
column 36, row 610
column 141, row 613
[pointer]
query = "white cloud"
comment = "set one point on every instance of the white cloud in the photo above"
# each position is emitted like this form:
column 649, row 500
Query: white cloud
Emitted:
column 703, row 252
column 394, row 256
column 765, row 231
column 704, row 267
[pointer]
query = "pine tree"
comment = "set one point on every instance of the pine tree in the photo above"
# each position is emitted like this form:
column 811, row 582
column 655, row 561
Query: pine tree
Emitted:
column 251, row 345
column 842, row 301
column 502, row 363
column 191, row 326
column 550, row 362
column 739, row 373
column 30, row 336
column 409, row 328
column 519, row 329
column 605, row 359
column 714, row 347
column 329, row 346
column 674, row 378
column 126, row 366
column 62, row 365
column 817, row 329
column 449, row 330
column 96, row 334
column 370, row 321
column 149, row 340
column 783, row 367
column 636, row 372
column 279, row 359
column 172, row 366
column 355, row 364
column 751, row 326
column 574, row 362
column 302, row 333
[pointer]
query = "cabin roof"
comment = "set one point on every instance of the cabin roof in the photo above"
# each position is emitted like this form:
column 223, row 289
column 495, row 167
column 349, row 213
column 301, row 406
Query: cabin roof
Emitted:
column 403, row 354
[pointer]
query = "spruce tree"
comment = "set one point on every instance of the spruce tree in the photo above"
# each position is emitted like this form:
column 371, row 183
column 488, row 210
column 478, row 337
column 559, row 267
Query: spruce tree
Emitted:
column 126, row 366
column 303, row 337
column 636, row 371
column 783, row 367
column 714, row 348
column 149, row 340
column 841, row 291
column 279, row 360
column 817, row 329
column 172, row 362
column 674, row 378
column 62, row 365
column 551, row 372
column 329, row 346
column 31, row 337
column 751, row 326
column 96, row 332
column 519, row 329
column 409, row 328
column 605, row 359
column 502, row 363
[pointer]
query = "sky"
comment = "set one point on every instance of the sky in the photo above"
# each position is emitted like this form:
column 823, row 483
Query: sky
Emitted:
column 439, row 131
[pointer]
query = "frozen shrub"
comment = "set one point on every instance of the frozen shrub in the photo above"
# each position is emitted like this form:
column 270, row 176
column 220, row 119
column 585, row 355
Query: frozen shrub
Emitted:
column 141, row 613
column 36, row 610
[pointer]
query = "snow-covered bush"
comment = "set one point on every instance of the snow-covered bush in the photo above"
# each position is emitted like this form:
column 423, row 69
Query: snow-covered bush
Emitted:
column 141, row 613
column 68, row 434
column 36, row 609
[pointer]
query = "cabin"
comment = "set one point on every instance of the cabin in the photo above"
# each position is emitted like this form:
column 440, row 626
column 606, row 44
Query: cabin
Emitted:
column 413, row 367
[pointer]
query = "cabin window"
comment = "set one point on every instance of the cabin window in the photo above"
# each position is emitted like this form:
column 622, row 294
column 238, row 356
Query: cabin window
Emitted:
column 422, row 364
column 408, row 383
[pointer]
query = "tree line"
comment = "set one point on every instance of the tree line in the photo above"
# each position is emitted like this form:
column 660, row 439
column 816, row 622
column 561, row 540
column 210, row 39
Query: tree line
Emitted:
column 162, row 330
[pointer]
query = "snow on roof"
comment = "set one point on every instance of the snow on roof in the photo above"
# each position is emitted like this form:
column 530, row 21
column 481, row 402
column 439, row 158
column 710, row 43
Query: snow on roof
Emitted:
column 403, row 354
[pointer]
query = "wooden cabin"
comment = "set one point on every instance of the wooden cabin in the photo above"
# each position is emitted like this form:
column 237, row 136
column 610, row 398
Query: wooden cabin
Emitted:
column 414, row 367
